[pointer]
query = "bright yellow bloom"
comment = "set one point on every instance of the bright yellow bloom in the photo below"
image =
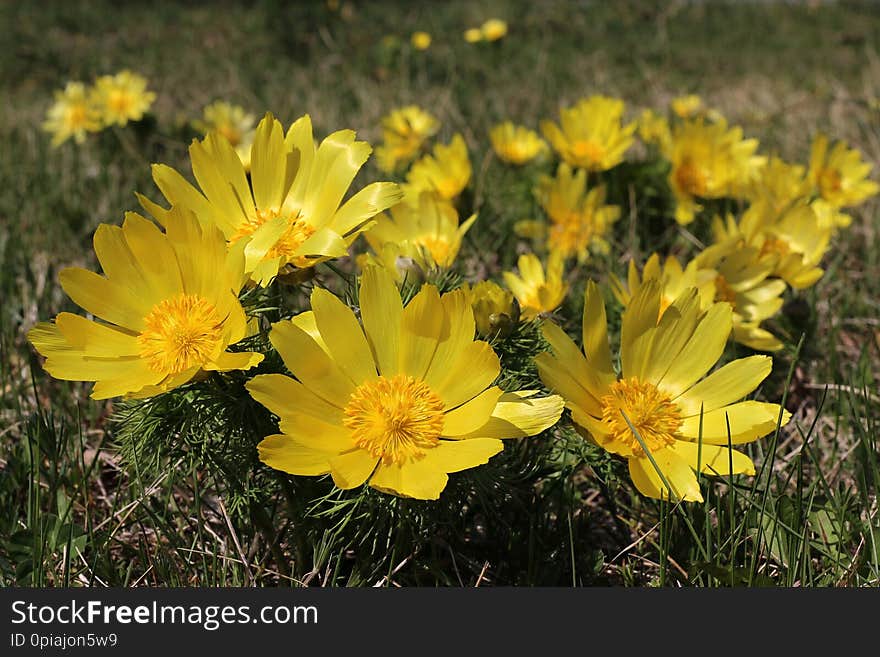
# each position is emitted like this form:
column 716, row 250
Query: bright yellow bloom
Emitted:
column 72, row 115
column 496, row 311
column 795, row 240
column 579, row 220
column 421, row 40
column 536, row 293
column 493, row 29
column 446, row 172
column 672, row 278
column 473, row 35
column 708, row 161
column 167, row 304
column 829, row 216
column 840, row 176
column 592, row 136
column 743, row 278
column 663, row 414
column 231, row 121
column 287, row 214
column 687, row 107
column 516, row 144
column 427, row 233
column 122, row 97
column 778, row 185
column 400, row 398
column 654, row 129
column 404, row 131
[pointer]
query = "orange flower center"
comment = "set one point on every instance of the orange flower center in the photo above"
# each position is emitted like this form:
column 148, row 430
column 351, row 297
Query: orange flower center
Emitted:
column 691, row 178
column 830, row 181
column 774, row 246
column 180, row 333
column 297, row 232
column 570, row 232
column 723, row 291
column 439, row 247
column 587, row 150
column 650, row 412
column 395, row 419
column 120, row 102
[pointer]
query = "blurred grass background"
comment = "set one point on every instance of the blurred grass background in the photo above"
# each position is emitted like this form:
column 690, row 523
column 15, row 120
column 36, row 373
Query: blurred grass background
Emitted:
column 781, row 70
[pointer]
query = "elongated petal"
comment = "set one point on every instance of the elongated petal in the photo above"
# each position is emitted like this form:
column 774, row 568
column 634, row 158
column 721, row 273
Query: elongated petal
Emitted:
column 476, row 368
column 104, row 298
column 343, row 336
column 289, row 455
column 749, row 420
column 421, row 327
column 725, row 385
column 519, row 415
column 367, row 203
column 287, row 397
column 472, row 414
column 595, row 333
column 268, row 164
column 416, row 479
column 713, row 459
column 95, row 339
column 457, row 455
column 353, row 468
column 557, row 376
column 676, row 472
column 228, row 361
column 381, row 313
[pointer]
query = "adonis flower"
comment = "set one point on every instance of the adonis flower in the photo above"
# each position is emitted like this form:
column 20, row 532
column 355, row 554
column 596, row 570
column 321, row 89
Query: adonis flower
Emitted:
column 404, row 131
column 538, row 293
column 122, row 97
column 446, row 172
column 72, row 115
column 579, row 219
column 231, row 121
column 673, row 280
column 166, row 309
column 591, row 135
column 288, row 214
column 427, row 233
column 839, row 175
column 516, row 144
column 400, row 398
column 663, row 413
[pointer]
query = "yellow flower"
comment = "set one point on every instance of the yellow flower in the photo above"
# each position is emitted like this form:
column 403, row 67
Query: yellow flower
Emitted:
column 496, row 310
column 795, row 240
column 654, row 129
column 231, row 121
column 167, row 305
column 426, row 233
column 473, row 35
column 663, row 414
column 743, row 278
column 592, row 136
column 536, row 293
column 122, row 97
column 672, row 278
column 446, row 172
column 421, row 40
column 287, row 214
column 839, row 176
column 708, row 161
column 404, row 131
column 72, row 115
column 829, row 216
column 579, row 220
column 493, row 29
column 400, row 398
column 778, row 185
column 687, row 107
column 516, row 144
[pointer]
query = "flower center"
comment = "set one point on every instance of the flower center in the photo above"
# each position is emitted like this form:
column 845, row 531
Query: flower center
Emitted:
column 439, row 248
column 587, row 149
column 395, row 419
column 691, row 178
column 120, row 102
column 232, row 134
column 447, row 187
column 297, row 232
column 830, row 181
column 569, row 232
column 76, row 116
column 775, row 246
column 650, row 411
column 180, row 333
column 723, row 291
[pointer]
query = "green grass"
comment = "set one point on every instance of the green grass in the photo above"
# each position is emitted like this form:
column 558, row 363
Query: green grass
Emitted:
column 86, row 501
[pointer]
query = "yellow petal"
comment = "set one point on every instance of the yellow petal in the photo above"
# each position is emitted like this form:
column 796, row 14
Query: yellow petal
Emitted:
column 595, row 333
column 287, row 397
column 472, row 414
column 179, row 192
column 96, row 339
column 134, row 378
column 381, row 313
column 228, row 361
column 353, row 468
column 421, row 327
column 725, row 385
column 557, row 376
column 638, row 324
column 713, row 459
column 310, row 363
column 476, row 368
column 416, row 479
column 367, row 203
column 457, row 455
column 565, row 351
column 268, row 164
column 104, row 298
column 289, row 455
column 119, row 263
column 456, row 335
column 676, row 472
column 675, row 328
column 749, row 420
column 519, row 415
column 343, row 336
column 154, row 254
